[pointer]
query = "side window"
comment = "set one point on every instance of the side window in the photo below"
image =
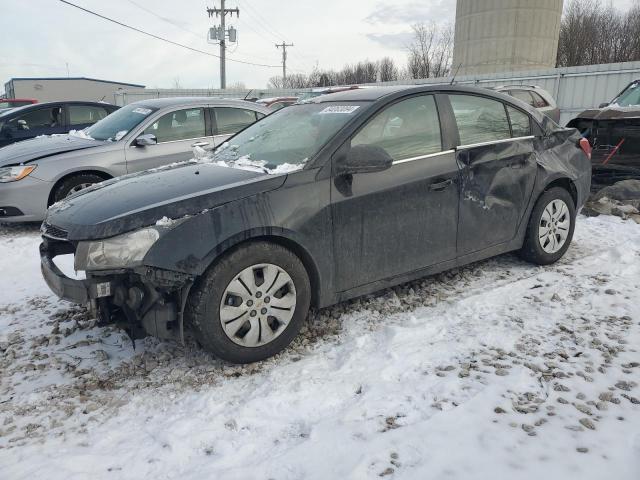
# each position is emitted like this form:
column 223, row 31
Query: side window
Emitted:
column 524, row 96
column 479, row 119
column 232, row 120
column 520, row 122
column 538, row 101
column 409, row 128
column 40, row 118
column 83, row 114
column 179, row 125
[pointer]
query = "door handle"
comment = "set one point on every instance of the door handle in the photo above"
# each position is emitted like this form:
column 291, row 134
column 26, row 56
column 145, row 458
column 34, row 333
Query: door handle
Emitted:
column 200, row 144
column 438, row 186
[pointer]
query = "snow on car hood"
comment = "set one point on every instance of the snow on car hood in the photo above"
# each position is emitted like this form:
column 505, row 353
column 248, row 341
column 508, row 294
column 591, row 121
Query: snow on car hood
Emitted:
column 45, row 146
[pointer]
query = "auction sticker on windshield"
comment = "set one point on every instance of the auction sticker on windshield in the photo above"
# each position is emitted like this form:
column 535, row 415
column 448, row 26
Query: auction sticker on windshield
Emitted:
column 142, row 111
column 340, row 109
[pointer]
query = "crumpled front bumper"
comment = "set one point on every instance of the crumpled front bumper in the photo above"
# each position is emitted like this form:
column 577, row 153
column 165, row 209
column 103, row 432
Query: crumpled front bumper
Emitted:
column 72, row 290
column 143, row 301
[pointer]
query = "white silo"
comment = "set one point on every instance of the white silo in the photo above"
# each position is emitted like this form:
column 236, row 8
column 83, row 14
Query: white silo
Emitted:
column 504, row 35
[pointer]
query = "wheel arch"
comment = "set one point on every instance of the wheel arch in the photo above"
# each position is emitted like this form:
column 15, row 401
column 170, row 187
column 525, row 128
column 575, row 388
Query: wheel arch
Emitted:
column 279, row 238
column 566, row 183
column 100, row 173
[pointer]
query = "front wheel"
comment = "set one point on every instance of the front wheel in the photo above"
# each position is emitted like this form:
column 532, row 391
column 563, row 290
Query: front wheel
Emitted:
column 251, row 303
column 550, row 228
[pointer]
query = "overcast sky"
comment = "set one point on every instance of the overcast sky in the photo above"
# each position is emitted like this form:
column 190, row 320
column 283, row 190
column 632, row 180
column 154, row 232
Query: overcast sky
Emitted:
column 40, row 37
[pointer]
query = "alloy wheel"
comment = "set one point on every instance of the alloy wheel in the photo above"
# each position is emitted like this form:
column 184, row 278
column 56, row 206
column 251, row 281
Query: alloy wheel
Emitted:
column 257, row 305
column 554, row 227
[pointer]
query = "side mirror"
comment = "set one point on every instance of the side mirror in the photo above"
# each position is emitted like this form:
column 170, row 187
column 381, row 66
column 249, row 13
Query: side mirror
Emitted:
column 364, row 159
column 145, row 140
column 602, row 105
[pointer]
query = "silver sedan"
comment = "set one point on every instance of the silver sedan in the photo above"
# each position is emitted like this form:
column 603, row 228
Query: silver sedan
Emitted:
column 36, row 173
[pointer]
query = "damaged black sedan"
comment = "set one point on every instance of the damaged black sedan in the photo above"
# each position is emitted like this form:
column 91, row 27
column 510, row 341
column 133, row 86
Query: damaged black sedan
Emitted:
column 317, row 203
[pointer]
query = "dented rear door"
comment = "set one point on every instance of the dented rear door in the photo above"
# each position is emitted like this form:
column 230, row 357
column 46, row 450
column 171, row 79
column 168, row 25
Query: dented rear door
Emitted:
column 497, row 163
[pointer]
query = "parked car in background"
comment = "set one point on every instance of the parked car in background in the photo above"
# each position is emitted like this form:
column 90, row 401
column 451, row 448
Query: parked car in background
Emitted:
column 276, row 103
column 9, row 103
column 613, row 129
column 534, row 96
column 316, row 92
column 39, row 172
column 317, row 203
column 49, row 118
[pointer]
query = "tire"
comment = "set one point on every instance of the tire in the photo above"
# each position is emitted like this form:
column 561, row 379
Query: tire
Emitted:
column 263, row 329
column 74, row 184
column 539, row 246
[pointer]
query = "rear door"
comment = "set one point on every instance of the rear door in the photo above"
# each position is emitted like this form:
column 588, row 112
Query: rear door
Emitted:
column 498, row 169
column 230, row 120
column 403, row 219
column 178, row 132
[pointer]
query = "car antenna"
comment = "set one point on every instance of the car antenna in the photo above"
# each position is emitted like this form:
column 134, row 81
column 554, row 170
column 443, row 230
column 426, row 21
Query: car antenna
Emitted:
column 245, row 97
column 455, row 74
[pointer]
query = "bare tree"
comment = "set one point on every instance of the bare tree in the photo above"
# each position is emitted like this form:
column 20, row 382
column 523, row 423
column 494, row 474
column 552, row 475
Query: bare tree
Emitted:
column 593, row 33
column 431, row 50
column 387, row 70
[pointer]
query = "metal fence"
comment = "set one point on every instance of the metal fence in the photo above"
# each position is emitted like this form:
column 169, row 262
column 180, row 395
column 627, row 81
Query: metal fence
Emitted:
column 574, row 88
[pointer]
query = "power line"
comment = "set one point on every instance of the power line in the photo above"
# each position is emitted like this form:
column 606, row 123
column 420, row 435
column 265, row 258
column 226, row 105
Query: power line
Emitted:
column 161, row 38
column 165, row 19
column 266, row 24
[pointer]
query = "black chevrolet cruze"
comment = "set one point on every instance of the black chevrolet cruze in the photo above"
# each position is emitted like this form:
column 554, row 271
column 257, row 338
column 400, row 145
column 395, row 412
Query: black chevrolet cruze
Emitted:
column 317, row 203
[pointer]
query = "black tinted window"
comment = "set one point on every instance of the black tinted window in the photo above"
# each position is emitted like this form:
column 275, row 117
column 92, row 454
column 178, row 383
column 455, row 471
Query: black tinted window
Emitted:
column 40, row 118
column 232, row 120
column 479, row 119
column 406, row 129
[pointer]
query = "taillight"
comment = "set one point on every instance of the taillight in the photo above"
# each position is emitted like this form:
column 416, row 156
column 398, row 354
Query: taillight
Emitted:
column 586, row 147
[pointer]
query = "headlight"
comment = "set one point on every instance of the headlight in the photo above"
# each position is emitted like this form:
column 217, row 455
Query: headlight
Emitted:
column 13, row 174
column 117, row 252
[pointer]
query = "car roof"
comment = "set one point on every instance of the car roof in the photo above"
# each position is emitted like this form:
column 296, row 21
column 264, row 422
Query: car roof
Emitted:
column 376, row 93
column 175, row 101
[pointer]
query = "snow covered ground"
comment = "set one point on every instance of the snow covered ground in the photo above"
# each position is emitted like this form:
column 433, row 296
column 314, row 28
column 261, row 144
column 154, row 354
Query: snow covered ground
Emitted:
column 500, row 370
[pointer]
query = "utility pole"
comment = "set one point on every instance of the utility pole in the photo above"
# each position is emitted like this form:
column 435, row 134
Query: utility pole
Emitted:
column 284, row 59
column 222, row 33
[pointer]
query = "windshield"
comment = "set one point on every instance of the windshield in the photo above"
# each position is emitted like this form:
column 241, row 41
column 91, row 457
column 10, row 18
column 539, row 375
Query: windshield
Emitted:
column 286, row 139
column 116, row 125
column 630, row 97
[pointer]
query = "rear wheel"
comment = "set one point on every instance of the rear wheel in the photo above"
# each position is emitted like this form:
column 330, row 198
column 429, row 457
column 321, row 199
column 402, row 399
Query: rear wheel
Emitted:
column 251, row 304
column 550, row 228
column 74, row 184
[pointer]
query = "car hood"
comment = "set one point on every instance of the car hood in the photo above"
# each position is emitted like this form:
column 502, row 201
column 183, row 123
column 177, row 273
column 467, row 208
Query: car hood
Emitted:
column 142, row 199
column 40, row 147
column 611, row 112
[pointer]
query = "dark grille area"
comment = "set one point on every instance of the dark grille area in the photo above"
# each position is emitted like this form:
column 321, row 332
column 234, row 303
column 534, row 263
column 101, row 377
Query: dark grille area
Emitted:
column 53, row 232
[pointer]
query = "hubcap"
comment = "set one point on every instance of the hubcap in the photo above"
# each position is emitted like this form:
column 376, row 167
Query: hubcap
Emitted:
column 257, row 305
column 79, row 187
column 554, row 226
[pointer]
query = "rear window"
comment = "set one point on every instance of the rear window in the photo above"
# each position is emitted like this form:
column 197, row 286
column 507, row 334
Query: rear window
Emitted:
column 524, row 96
column 479, row 119
column 538, row 101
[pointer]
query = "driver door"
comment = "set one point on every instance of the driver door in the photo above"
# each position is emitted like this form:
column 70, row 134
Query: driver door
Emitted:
column 177, row 133
column 403, row 219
